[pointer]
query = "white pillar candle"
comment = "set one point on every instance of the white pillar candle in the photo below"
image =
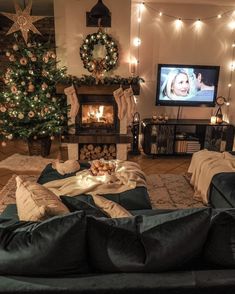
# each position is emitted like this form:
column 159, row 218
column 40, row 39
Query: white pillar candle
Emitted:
column 213, row 119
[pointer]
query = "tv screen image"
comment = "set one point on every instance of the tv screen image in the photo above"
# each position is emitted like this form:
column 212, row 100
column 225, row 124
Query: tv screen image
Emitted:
column 187, row 85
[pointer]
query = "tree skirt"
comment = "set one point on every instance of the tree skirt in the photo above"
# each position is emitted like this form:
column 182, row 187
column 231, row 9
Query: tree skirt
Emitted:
column 18, row 162
column 165, row 191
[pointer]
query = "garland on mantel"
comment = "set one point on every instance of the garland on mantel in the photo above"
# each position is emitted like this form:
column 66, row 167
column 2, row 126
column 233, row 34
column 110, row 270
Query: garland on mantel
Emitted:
column 91, row 81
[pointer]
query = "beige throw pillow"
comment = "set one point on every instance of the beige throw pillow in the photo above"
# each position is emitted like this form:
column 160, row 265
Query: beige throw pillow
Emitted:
column 112, row 209
column 35, row 202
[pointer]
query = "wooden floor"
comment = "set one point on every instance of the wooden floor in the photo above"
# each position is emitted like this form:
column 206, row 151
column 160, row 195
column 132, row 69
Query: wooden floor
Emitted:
column 159, row 165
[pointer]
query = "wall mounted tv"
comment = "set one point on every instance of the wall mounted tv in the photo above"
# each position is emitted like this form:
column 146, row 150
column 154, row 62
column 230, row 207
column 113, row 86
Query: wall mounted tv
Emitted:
column 187, row 85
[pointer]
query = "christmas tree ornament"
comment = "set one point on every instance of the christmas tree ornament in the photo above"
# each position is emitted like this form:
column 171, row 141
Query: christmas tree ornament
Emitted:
column 15, row 47
column 23, row 21
column 31, row 114
column 31, row 87
column 20, row 115
column 30, row 54
column 33, row 58
column 48, row 95
column 10, row 137
column 45, row 59
column 23, row 61
column 14, row 89
column 44, row 73
column 8, row 54
column 35, row 98
column 12, row 57
column 22, row 83
column 44, row 86
column 3, row 109
column 52, row 138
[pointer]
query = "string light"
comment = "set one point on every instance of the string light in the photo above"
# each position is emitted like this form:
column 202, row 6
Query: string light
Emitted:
column 160, row 13
column 179, row 22
column 137, row 41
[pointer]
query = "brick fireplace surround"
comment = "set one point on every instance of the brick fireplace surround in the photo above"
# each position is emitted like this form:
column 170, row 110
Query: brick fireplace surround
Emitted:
column 115, row 136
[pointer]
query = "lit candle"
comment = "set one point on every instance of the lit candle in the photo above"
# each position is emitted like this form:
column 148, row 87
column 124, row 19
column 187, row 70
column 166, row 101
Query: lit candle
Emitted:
column 133, row 67
column 213, row 120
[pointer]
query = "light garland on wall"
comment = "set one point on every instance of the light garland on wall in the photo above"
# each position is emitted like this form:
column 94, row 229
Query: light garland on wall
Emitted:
column 137, row 40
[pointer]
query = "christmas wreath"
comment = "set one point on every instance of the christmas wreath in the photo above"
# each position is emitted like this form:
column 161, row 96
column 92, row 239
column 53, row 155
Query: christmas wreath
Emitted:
column 98, row 66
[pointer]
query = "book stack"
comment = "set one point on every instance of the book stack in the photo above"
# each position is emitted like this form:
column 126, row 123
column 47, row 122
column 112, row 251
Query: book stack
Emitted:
column 180, row 146
column 192, row 146
column 185, row 146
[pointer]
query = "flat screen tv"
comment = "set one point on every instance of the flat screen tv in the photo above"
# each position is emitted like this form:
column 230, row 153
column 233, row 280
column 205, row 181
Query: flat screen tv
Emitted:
column 187, row 85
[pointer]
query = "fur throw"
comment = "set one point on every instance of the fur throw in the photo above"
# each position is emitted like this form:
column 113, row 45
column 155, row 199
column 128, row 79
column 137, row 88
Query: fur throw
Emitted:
column 67, row 167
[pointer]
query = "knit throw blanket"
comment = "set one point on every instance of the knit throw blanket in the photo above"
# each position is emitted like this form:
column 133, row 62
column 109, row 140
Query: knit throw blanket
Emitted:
column 204, row 165
column 127, row 176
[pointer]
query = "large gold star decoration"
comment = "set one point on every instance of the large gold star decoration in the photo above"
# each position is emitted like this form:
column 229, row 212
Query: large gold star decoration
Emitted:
column 23, row 21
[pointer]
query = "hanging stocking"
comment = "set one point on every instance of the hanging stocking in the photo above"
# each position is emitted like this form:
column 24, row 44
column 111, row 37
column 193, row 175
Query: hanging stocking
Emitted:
column 120, row 100
column 73, row 101
column 130, row 101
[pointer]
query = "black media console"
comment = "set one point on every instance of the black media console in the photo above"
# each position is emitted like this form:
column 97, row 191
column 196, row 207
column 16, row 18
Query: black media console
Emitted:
column 184, row 136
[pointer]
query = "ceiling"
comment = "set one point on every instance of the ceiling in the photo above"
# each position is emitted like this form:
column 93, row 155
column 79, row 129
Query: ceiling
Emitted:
column 45, row 7
column 39, row 7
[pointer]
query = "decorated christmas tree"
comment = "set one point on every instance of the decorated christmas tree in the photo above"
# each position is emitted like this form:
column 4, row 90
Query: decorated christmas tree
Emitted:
column 29, row 105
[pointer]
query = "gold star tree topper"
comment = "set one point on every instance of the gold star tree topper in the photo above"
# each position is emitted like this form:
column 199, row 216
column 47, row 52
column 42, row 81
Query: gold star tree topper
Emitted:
column 23, row 21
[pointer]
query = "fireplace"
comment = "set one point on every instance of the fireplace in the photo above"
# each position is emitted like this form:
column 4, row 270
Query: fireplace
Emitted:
column 97, row 114
column 98, row 132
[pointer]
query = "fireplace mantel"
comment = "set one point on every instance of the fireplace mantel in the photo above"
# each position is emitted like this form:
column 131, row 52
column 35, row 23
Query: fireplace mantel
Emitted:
column 97, row 89
column 118, row 137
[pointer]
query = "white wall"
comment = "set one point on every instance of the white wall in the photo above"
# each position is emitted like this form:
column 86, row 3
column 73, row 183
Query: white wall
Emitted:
column 70, row 24
column 162, row 43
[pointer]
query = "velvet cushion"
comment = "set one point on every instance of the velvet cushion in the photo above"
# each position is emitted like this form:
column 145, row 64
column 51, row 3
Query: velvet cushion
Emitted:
column 220, row 246
column 111, row 208
column 75, row 204
column 35, row 202
column 147, row 243
column 50, row 248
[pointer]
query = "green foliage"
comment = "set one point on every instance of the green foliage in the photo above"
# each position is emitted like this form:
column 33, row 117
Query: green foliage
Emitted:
column 87, row 48
column 29, row 105
column 86, row 80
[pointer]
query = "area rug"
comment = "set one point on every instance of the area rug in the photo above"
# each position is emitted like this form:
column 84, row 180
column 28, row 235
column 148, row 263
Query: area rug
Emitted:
column 18, row 162
column 171, row 191
column 165, row 191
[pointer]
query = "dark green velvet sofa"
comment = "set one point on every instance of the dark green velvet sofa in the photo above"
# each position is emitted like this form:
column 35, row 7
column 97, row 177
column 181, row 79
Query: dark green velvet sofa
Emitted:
column 156, row 251
column 222, row 190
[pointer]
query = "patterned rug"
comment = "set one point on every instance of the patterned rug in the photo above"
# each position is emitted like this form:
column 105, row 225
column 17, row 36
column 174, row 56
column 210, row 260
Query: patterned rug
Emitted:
column 165, row 191
column 171, row 191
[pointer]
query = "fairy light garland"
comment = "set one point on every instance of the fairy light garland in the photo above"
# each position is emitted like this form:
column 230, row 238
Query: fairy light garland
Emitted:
column 181, row 19
column 161, row 13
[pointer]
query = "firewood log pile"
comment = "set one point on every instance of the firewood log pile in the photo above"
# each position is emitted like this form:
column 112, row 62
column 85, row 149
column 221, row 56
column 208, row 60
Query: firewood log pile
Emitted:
column 92, row 152
column 100, row 168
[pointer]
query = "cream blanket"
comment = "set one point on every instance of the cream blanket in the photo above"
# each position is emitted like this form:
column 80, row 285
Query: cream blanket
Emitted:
column 204, row 165
column 127, row 176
